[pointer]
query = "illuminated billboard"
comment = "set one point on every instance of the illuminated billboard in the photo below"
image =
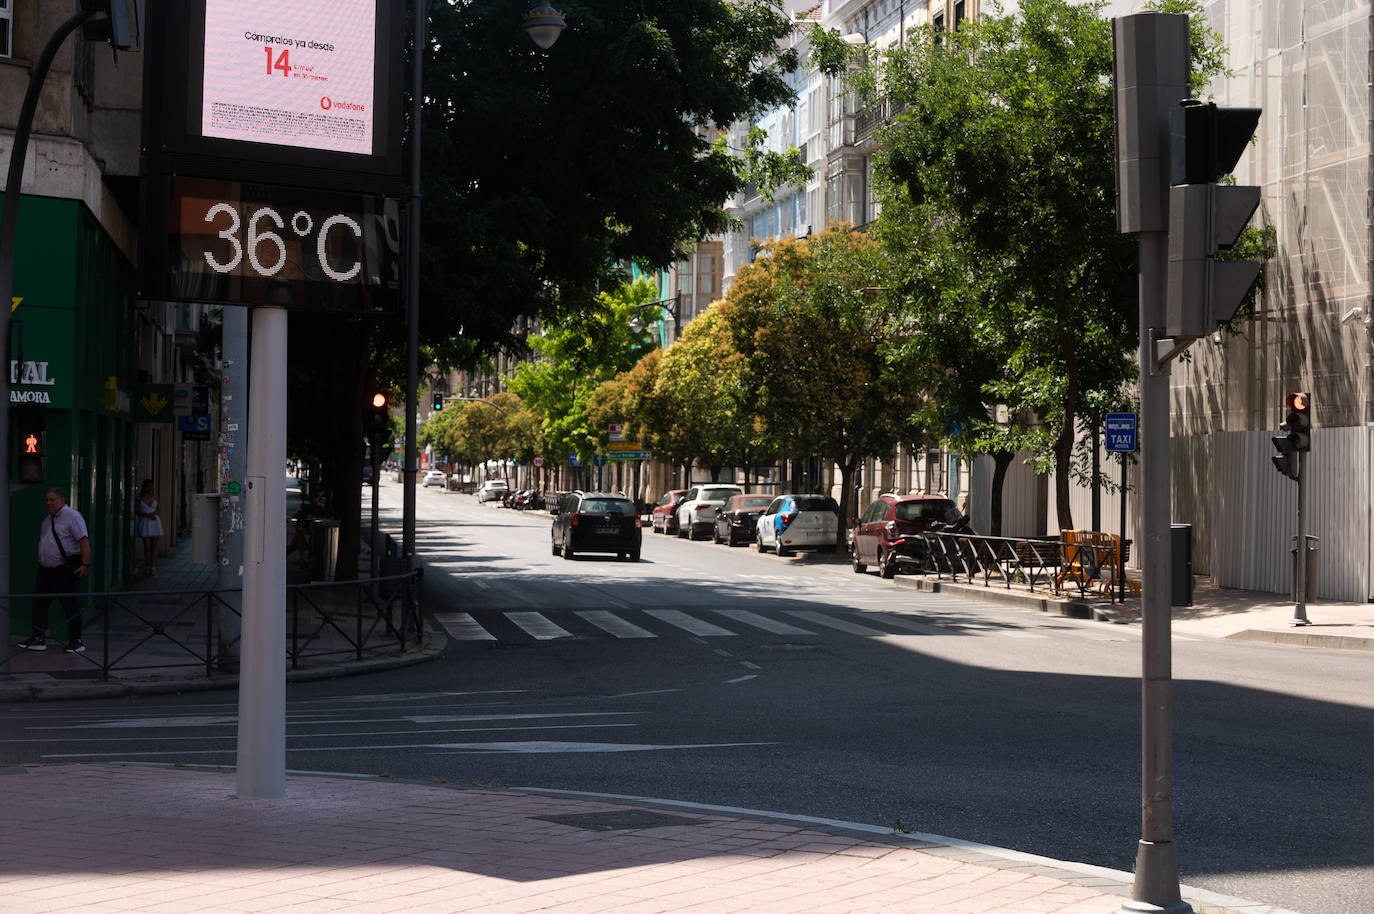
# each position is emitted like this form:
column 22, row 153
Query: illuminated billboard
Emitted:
column 293, row 74
column 302, row 92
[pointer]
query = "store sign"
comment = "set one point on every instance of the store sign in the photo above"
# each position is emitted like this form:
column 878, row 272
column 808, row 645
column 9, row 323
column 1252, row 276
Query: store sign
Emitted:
column 34, row 377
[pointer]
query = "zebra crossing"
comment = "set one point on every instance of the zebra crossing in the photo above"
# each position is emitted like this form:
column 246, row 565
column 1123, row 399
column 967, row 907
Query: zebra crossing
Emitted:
column 526, row 626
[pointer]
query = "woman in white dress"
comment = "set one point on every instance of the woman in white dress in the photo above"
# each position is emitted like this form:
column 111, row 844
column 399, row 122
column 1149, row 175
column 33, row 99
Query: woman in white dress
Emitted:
column 149, row 525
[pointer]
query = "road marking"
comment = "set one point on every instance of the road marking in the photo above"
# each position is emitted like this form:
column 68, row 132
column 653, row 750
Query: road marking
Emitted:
column 688, row 623
column 471, row 718
column 551, row 746
column 538, row 626
column 775, row 626
column 613, row 624
column 852, row 628
column 463, row 627
column 742, row 679
column 482, row 584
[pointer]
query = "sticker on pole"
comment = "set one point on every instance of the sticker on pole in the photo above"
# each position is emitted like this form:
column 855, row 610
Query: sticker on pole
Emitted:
column 1121, row 433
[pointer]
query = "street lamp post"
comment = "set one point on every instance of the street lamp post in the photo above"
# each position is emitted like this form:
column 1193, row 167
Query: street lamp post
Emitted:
column 543, row 24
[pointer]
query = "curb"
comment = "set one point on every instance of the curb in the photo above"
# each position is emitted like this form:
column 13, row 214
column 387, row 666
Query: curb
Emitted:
column 433, row 647
column 1117, row 882
column 1304, row 639
column 1074, row 609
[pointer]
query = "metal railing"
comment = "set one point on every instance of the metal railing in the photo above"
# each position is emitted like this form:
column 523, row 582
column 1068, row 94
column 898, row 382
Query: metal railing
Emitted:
column 183, row 629
column 1021, row 560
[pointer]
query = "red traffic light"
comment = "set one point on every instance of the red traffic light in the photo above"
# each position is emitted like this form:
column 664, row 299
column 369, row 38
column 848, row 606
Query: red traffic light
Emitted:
column 1299, row 403
column 379, row 401
column 31, row 444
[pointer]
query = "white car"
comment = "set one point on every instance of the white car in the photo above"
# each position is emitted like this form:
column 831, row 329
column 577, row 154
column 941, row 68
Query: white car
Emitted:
column 794, row 522
column 492, row 489
column 696, row 516
column 434, row 478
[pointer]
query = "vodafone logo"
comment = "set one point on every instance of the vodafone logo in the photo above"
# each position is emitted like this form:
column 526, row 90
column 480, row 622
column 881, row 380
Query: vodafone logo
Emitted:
column 326, row 103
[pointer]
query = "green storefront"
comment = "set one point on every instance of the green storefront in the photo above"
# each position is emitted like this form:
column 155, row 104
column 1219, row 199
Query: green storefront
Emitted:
column 74, row 350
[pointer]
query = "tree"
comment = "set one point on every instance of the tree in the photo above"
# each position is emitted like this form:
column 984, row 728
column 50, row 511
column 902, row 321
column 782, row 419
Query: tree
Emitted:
column 1006, row 135
column 578, row 353
column 512, row 230
column 812, row 322
column 705, row 376
column 1004, row 148
column 625, row 98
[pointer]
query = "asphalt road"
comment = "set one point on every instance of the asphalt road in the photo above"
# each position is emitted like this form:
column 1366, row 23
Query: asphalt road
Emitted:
column 721, row 676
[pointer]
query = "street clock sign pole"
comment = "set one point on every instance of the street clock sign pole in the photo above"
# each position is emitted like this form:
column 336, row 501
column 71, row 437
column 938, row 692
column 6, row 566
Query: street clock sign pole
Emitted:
column 270, row 179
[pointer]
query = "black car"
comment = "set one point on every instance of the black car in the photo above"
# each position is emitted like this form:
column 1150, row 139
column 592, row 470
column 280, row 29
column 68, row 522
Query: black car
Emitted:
column 596, row 522
column 735, row 520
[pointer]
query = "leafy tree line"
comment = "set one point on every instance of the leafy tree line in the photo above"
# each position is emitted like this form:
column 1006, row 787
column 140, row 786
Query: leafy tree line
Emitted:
column 991, row 306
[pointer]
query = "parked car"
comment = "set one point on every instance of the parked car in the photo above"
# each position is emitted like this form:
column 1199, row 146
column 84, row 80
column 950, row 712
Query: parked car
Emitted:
column 596, row 522
column 696, row 516
column 735, row 521
column 889, row 532
column 492, row 489
column 434, row 478
column 799, row 522
column 663, row 519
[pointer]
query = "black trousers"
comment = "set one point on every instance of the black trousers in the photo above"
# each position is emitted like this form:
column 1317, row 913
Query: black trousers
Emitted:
column 52, row 581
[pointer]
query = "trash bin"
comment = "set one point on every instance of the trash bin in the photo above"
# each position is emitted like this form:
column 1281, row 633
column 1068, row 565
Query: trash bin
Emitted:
column 1181, row 564
column 1309, row 589
column 324, row 549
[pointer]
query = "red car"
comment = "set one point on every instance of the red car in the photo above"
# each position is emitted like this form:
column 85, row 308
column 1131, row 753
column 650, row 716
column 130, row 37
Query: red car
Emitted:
column 664, row 517
column 889, row 533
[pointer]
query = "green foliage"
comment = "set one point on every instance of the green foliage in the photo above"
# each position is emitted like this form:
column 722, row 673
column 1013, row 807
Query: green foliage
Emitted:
column 1001, row 164
column 815, row 329
column 578, row 353
column 543, row 167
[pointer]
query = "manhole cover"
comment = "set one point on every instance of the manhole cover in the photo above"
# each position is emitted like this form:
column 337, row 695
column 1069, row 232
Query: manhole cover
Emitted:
column 619, row 820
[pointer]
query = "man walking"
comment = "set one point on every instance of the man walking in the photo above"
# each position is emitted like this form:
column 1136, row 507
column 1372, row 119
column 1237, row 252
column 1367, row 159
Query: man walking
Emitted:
column 64, row 559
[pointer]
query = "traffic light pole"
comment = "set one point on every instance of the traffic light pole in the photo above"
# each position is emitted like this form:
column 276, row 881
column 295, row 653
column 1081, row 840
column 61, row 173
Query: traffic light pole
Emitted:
column 1151, row 77
column 1300, row 573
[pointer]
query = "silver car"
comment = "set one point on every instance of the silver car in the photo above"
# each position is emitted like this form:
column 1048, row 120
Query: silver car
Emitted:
column 696, row 516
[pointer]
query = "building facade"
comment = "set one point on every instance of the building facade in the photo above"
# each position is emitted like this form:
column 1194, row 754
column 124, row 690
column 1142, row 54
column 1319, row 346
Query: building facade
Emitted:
column 112, row 372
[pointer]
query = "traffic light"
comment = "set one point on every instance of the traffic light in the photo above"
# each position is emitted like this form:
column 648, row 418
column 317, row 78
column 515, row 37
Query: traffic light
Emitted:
column 378, row 422
column 1285, row 461
column 114, row 28
column 1205, row 217
column 438, row 402
column 1299, row 421
column 1297, row 436
column 31, row 446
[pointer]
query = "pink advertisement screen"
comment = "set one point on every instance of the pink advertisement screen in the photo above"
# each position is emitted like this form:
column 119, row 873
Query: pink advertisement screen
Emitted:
column 290, row 72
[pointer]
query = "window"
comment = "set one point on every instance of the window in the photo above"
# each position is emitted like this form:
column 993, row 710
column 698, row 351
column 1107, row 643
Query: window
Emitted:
column 958, row 13
column 608, row 506
column 707, row 263
column 816, row 503
column 938, row 20
column 6, row 48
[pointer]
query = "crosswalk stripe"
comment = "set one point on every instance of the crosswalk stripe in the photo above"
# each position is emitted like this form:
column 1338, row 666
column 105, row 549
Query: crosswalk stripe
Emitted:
column 615, row 625
column 538, row 626
column 688, row 623
column 769, row 625
column 463, row 627
column 820, row 618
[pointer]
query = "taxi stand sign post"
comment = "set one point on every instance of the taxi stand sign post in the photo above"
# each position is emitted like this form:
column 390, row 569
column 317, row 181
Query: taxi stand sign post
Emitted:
column 1121, row 440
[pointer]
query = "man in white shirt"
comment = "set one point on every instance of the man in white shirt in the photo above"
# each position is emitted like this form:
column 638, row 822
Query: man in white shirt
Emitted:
column 64, row 560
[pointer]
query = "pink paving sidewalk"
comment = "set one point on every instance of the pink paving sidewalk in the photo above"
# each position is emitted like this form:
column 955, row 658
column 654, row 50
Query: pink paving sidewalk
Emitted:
column 100, row 838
